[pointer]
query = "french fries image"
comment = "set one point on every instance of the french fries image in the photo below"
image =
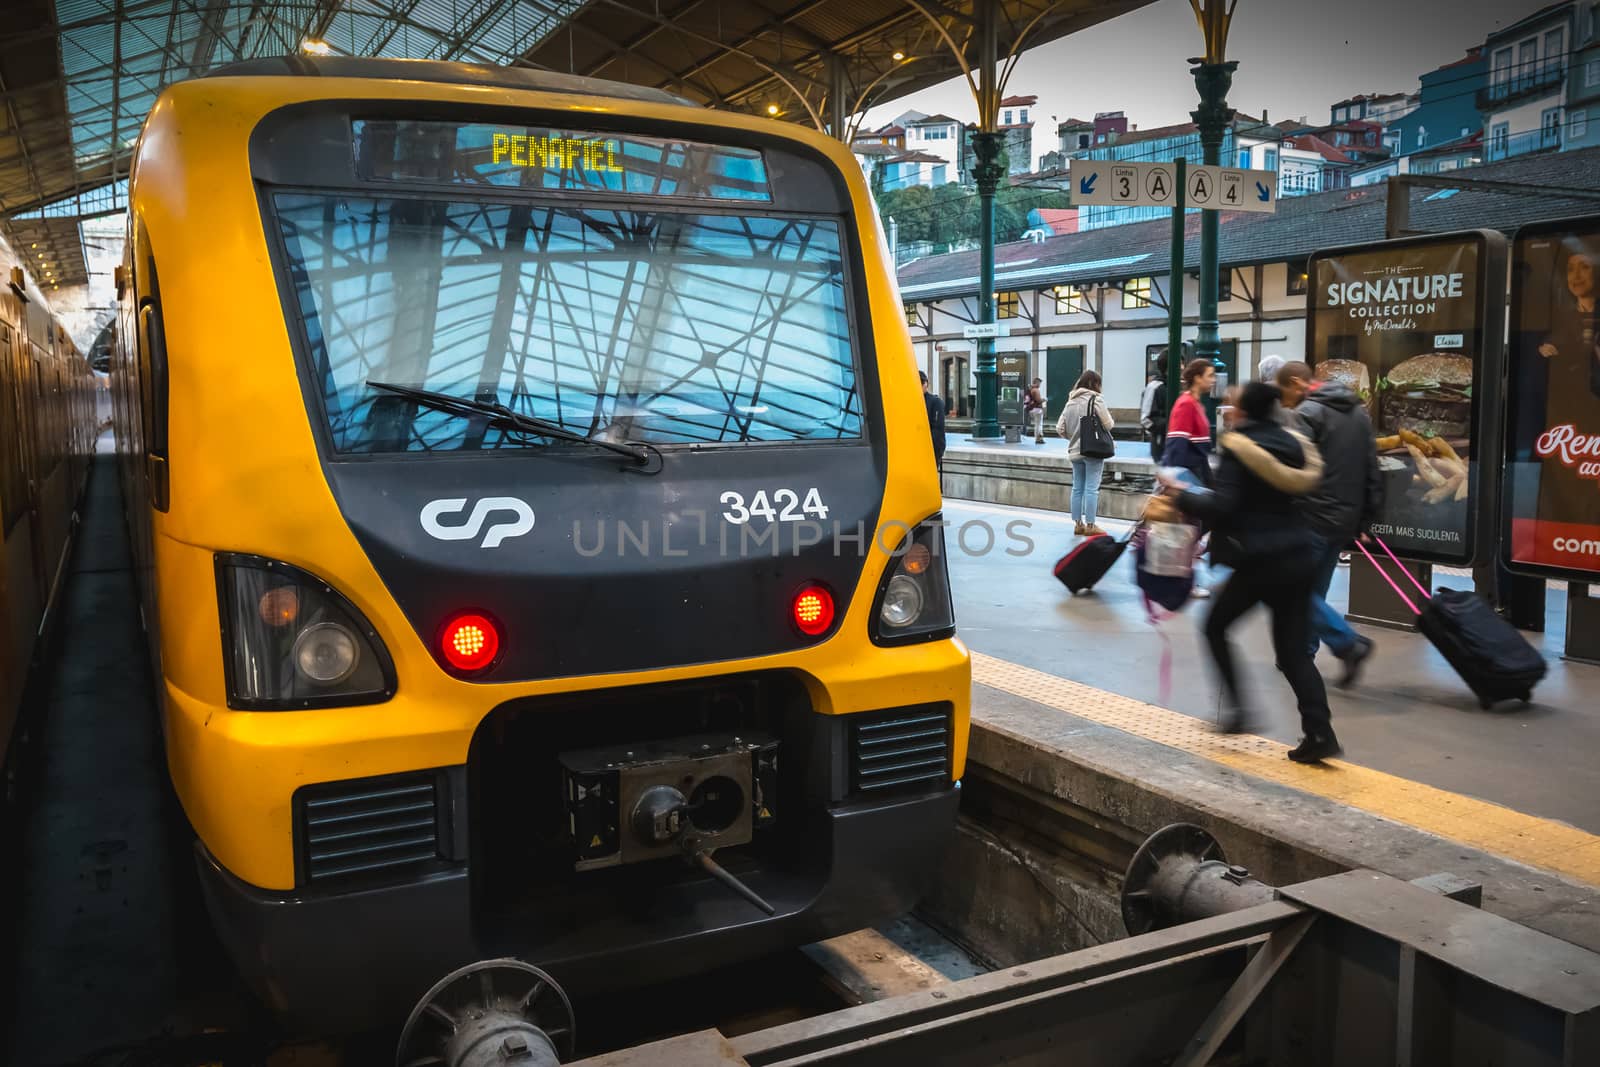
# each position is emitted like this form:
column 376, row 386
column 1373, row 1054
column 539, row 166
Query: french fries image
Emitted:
column 1461, row 493
column 1424, row 467
column 1442, row 448
column 1387, row 444
column 1440, row 494
column 1415, row 440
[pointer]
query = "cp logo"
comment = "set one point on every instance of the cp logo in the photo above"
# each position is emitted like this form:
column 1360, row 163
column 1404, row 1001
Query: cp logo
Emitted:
column 520, row 522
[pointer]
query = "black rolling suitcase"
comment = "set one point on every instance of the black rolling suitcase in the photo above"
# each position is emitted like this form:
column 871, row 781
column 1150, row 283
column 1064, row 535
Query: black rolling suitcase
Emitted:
column 1087, row 563
column 1495, row 661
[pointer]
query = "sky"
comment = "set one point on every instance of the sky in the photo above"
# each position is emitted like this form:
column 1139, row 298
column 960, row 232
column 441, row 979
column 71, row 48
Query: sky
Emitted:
column 1296, row 58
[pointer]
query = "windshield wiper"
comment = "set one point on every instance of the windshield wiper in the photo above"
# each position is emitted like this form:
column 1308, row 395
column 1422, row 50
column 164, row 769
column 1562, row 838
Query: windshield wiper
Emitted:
column 503, row 418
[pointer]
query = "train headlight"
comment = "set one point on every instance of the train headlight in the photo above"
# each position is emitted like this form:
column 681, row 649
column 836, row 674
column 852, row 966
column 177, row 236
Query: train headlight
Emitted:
column 913, row 602
column 290, row 641
column 326, row 653
column 902, row 602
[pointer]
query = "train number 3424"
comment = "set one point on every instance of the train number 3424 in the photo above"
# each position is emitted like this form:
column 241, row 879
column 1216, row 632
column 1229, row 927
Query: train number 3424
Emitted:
column 784, row 505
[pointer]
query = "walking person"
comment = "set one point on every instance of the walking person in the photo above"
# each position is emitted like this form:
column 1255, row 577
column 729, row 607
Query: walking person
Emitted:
column 935, row 406
column 1033, row 410
column 1153, row 414
column 1084, row 401
column 1188, row 443
column 1188, row 440
column 1343, row 505
column 1254, row 505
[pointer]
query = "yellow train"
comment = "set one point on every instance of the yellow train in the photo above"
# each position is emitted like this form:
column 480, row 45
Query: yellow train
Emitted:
column 539, row 526
column 47, row 433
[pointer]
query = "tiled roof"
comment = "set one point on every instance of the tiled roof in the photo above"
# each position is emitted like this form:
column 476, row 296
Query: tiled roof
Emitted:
column 932, row 120
column 1310, row 142
column 1075, row 123
column 1301, row 226
column 1019, row 101
column 917, row 157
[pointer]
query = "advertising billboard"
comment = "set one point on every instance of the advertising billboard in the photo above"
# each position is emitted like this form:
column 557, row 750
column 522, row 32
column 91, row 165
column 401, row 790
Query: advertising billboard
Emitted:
column 1552, row 513
column 1414, row 326
column 1013, row 373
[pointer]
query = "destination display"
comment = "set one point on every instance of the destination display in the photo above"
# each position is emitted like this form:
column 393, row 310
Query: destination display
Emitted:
column 1404, row 324
column 542, row 158
column 1552, row 512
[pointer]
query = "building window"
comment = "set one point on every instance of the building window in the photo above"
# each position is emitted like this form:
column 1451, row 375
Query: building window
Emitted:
column 1555, row 52
column 1591, row 74
column 1022, row 116
column 1269, row 159
column 1069, row 300
column 1136, row 292
column 1499, row 137
column 1527, row 64
column 1577, row 125
column 1007, row 305
column 1550, row 127
column 1446, row 164
column 1005, row 120
column 1299, row 280
column 1501, row 77
column 1244, row 158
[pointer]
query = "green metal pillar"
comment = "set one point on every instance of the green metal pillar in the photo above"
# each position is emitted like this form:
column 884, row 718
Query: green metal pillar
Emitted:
column 986, row 173
column 1175, row 295
column 1212, row 117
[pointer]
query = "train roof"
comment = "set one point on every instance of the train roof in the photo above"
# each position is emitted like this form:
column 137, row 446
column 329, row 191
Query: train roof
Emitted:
column 431, row 70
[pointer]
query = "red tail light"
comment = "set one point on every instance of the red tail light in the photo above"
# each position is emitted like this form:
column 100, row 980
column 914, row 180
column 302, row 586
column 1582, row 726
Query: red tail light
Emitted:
column 469, row 642
column 813, row 610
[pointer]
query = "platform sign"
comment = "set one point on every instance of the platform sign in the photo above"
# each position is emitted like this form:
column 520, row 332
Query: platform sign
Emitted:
column 1414, row 327
column 978, row 330
column 1551, row 523
column 1109, row 183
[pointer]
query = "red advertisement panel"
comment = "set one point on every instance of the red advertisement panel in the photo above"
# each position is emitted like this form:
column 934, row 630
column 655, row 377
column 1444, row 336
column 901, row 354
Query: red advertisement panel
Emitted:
column 1553, row 412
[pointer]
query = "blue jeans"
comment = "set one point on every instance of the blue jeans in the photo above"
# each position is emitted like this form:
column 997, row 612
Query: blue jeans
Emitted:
column 1327, row 625
column 1085, row 488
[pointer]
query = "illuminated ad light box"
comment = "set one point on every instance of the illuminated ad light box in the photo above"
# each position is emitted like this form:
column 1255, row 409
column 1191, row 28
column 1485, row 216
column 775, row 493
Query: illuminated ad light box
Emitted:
column 542, row 158
column 1415, row 327
column 1552, row 512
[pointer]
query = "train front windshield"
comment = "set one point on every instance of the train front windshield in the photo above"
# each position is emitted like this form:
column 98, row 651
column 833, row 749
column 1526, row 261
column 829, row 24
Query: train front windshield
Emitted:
column 675, row 323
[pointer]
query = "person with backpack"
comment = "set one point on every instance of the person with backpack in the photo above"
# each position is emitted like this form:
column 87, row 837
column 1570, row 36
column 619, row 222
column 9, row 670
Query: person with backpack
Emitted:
column 1033, row 410
column 1087, row 447
column 935, row 406
column 1254, row 506
column 1343, row 505
column 1153, row 414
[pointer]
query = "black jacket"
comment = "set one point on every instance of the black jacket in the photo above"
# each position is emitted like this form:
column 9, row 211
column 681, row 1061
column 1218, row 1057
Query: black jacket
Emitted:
column 1254, row 504
column 1352, row 488
column 935, row 408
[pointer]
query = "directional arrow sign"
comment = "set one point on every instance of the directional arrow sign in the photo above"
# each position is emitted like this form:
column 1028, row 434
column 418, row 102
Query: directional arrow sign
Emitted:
column 1112, row 183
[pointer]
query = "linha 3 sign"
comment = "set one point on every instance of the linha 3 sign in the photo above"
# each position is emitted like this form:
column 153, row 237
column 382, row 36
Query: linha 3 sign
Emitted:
column 1108, row 183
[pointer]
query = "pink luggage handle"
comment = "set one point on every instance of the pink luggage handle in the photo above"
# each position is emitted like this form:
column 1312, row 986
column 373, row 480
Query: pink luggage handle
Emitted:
column 1402, row 567
column 1392, row 584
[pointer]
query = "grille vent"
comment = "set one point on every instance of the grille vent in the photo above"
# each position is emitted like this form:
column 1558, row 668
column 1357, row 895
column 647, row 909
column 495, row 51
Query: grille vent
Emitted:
column 369, row 827
column 905, row 749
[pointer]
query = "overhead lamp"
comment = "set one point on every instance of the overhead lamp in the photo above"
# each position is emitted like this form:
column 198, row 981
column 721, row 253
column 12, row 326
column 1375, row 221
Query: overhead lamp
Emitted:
column 312, row 46
column 898, row 56
column 772, row 109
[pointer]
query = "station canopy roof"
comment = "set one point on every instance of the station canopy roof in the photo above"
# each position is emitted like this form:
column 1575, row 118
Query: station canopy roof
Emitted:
column 78, row 76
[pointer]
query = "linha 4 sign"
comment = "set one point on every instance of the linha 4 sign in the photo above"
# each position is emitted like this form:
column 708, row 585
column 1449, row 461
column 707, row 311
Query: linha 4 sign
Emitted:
column 1108, row 183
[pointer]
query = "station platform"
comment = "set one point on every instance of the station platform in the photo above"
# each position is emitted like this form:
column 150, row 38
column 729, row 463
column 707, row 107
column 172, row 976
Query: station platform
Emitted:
column 1077, row 755
column 1070, row 696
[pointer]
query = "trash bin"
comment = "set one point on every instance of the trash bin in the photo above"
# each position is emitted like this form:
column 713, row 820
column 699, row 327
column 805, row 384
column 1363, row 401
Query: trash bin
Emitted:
column 1013, row 435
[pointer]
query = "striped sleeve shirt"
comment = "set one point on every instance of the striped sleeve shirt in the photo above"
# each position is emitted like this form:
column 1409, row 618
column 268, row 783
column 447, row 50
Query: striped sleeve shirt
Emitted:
column 1189, row 420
